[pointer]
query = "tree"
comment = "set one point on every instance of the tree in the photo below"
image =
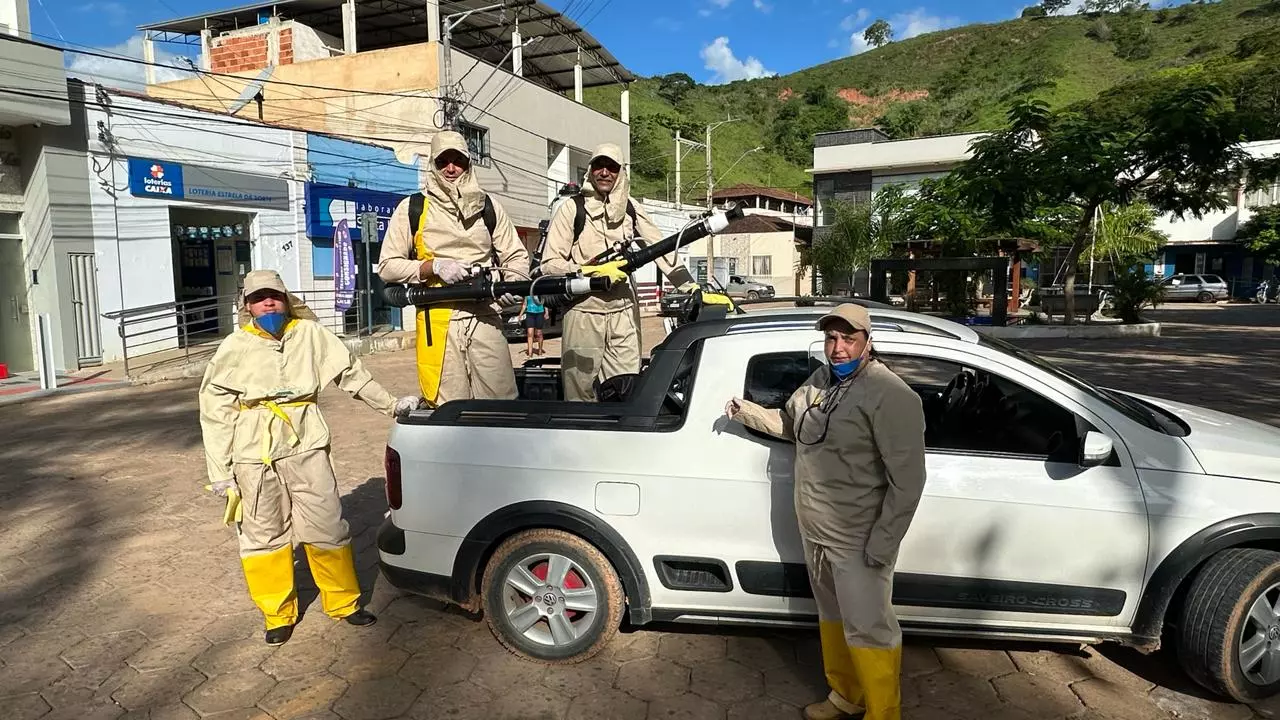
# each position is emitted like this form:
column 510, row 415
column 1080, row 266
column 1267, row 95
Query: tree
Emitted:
column 1261, row 234
column 1110, row 6
column 1126, row 234
column 1174, row 140
column 878, row 33
column 861, row 232
column 1053, row 6
column 675, row 86
column 1034, row 11
column 796, row 122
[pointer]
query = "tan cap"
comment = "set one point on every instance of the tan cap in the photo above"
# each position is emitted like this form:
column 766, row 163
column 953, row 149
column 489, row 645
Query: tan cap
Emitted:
column 256, row 280
column 852, row 313
column 608, row 150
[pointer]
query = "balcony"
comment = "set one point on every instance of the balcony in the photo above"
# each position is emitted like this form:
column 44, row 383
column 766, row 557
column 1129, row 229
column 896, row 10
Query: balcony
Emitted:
column 38, row 84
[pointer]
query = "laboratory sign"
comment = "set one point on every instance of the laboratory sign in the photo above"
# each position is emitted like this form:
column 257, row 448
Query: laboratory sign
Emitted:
column 192, row 183
column 328, row 205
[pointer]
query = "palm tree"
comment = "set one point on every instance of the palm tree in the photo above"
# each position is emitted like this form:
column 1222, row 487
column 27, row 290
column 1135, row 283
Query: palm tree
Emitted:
column 1126, row 234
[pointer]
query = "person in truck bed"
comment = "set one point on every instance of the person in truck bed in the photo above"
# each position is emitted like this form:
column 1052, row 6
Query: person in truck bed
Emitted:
column 859, row 475
column 435, row 237
column 266, row 441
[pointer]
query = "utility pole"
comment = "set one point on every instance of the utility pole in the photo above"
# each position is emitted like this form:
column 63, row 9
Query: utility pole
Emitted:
column 681, row 143
column 448, row 97
column 711, row 239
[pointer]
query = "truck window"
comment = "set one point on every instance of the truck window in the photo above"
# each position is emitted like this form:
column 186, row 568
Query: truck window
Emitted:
column 773, row 377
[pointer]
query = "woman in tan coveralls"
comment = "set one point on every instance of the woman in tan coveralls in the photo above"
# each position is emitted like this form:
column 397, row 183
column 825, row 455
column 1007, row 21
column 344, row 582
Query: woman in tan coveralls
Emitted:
column 859, row 474
column 266, row 441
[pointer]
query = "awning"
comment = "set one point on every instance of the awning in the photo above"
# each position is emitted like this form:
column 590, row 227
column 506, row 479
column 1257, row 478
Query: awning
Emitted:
column 394, row 23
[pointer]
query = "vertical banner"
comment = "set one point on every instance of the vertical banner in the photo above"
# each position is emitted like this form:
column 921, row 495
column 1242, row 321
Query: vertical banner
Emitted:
column 344, row 268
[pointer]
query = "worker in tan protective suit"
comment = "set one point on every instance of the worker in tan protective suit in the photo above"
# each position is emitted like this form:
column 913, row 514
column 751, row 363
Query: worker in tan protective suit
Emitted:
column 462, row 353
column 600, row 336
column 859, row 475
column 267, row 450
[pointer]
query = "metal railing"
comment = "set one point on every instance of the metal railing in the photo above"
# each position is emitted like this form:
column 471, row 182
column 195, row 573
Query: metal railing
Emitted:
column 185, row 324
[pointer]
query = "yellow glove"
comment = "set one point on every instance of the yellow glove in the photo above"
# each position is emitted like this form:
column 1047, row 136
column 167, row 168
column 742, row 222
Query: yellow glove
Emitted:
column 710, row 298
column 611, row 270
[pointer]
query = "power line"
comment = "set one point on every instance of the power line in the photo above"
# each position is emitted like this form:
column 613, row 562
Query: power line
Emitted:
column 136, row 61
column 142, row 113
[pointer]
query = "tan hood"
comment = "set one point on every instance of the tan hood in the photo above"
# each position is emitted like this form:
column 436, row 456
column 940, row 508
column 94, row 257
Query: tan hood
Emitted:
column 256, row 280
column 613, row 205
column 464, row 195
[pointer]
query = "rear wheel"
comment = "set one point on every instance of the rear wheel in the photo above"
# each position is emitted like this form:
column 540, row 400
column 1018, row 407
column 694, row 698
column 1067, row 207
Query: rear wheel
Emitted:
column 552, row 597
column 753, row 295
column 1205, row 297
column 1229, row 634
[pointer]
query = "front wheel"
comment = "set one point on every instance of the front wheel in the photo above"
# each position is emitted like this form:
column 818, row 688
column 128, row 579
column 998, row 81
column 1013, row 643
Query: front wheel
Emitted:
column 1229, row 634
column 552, row 597
column 753, row 295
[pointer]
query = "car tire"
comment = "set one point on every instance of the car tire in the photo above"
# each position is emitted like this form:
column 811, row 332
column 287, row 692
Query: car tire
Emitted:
column 506, row 606
column 753, row 295
column 1217, row 625
column 1205, row 297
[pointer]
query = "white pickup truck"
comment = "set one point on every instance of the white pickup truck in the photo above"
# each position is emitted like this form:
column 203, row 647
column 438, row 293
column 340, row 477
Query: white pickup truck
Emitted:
column 1054, row 509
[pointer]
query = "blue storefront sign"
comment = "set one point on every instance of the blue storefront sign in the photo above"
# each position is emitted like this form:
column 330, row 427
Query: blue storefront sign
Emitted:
column 174, row 181
column 329, row 204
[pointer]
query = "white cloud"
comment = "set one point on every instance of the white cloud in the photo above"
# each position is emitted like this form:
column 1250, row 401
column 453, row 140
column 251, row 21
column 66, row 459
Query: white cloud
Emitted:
column 762, row 6
column 905, row 25
column 722, row 4
column 852, row 21
column 121, row 73
column 726, row 67
column 704, row 12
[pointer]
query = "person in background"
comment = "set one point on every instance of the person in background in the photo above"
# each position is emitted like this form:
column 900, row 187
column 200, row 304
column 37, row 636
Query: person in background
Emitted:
column 267, row 446
column 859, row 475
column 535, row 314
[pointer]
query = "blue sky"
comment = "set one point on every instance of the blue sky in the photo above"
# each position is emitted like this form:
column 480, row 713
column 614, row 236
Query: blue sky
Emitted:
column 711, row 40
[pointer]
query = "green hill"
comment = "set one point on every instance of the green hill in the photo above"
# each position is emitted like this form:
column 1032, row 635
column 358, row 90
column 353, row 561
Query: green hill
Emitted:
column 957, row 80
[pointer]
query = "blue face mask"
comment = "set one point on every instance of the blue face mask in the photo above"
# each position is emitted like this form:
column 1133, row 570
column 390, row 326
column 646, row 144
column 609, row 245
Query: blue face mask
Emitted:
column 845, row 369
column 272, row 323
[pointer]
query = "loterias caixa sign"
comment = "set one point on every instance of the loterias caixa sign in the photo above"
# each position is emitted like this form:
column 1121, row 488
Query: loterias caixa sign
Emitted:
column 192, row 183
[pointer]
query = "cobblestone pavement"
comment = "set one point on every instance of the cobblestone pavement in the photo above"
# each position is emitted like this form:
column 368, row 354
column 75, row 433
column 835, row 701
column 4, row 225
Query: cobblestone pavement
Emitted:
column 121, row 595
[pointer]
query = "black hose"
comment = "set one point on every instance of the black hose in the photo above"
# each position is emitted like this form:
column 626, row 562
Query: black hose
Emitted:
column 641, row 256
column 482, row 289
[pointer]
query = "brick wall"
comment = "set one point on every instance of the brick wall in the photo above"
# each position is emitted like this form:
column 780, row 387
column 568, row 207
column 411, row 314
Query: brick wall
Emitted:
column 239, row 53
column 286, row 46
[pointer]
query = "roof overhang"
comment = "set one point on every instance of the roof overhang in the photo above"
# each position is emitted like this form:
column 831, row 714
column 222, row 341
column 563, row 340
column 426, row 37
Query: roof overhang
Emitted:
column 393, row 23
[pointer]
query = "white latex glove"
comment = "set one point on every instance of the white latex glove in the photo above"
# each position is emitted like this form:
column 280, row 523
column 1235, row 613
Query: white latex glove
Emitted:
column 450, row 271
column 507, row 299
column 687, row 287
column 732, row 408
column 221, row 487
column 406, row 405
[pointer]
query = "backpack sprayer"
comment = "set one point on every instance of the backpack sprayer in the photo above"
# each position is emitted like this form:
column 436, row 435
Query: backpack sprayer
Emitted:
column 484, row 285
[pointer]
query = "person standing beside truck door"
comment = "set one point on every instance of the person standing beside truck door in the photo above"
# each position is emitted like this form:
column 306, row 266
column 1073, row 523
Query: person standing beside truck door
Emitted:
column 267, row 446
column 859, row 476
column 435, row 237
column 600, row 335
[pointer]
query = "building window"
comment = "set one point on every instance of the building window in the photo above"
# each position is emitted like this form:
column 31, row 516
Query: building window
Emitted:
column 1263, row 196
column 762, row 265
column 477, row 142
column 851, row 187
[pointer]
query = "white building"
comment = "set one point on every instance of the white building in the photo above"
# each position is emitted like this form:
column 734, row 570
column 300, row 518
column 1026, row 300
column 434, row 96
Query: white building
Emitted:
column 36, row 153
column 853, row 165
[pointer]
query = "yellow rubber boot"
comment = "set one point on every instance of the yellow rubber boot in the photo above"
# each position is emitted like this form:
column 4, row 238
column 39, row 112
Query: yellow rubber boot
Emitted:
column 335, row 574
column 878, row 671
column 846, row 694
column 270, row 579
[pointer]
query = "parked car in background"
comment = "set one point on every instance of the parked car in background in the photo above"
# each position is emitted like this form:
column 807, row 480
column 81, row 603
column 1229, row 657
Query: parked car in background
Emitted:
column 740, row 287
column 673, row 301
column 1200, row 288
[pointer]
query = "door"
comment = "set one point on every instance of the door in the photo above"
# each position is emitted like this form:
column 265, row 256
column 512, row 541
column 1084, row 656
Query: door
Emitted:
column 15, row 317
column 1011, row 528
column 84, row 303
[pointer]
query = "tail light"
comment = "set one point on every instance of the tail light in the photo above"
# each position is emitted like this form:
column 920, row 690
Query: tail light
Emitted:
column 391, row 464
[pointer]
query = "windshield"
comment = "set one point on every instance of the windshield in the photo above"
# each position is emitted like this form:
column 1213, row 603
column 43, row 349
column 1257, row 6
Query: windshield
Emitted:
column 1140, row 412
